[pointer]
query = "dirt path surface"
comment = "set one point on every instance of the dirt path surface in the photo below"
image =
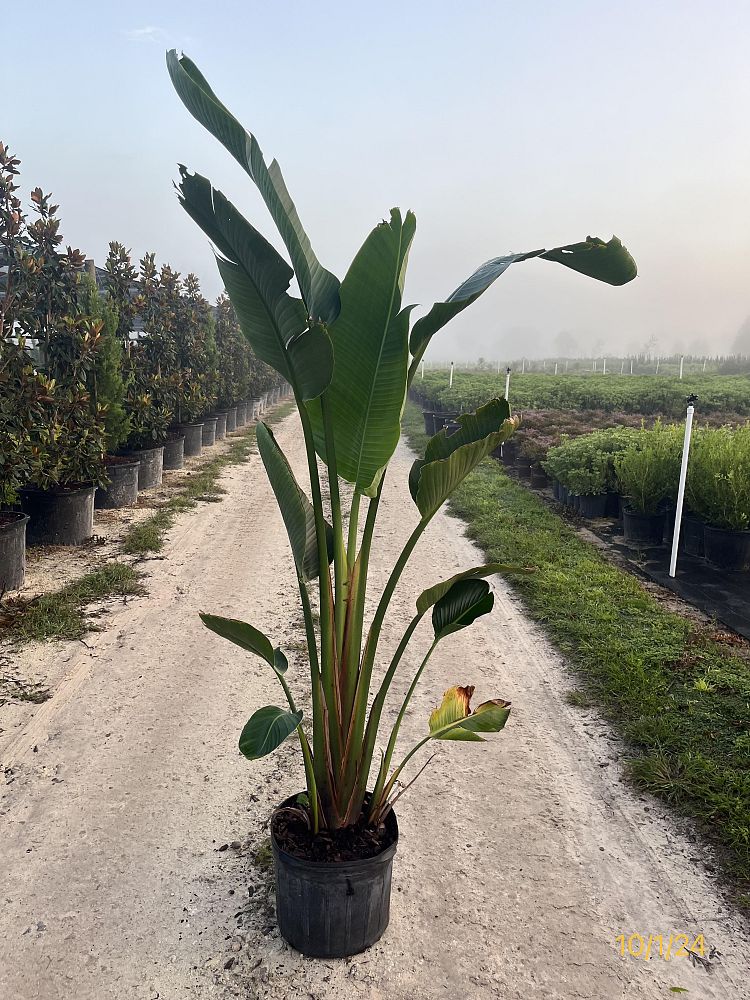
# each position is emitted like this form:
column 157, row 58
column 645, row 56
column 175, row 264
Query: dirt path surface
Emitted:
column 133, row 856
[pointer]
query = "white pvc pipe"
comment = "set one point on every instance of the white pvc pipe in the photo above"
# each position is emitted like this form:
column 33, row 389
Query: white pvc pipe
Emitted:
column 704, row 366
column 422, row 367
column 631, row 366
column 681, row 361
column 604, row 369
column 450, row 380
column 681, row 489
column 523, row 365
column 555, row 368
column 622, row 367
column 507, row 382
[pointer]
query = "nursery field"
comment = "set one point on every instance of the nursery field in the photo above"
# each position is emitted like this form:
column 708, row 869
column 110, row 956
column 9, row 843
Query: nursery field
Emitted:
column 99, row 899
column 677, row 687
column 640, row 394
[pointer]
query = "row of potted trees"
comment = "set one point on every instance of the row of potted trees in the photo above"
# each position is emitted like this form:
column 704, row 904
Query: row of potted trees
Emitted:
column 640, row 469
column 106, row 377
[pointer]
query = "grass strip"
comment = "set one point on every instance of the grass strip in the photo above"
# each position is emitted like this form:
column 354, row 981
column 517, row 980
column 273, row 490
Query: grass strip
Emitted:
column 678, row 694
column 62, row 615
column 200, row 486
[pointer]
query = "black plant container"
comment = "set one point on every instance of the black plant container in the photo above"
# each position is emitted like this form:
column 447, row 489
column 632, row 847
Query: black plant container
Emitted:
column 221, row 425
column 231, row 419
column 123, row 484
column 556, row 489
column 208, row 434
column 728, row 550
column 523, row 468
column 337, row 909
column 429, row 422
column 539, row 478
column 241, row 415
column 643, row 530
column 613, row 505
column 174, row 452
column 592, row 504
column 693, row 536
column 12, row 550
column 151, row 467
column 62, row 516
column 193, row 439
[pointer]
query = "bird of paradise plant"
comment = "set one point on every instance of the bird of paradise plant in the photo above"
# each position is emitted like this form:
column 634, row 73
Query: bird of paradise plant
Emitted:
column 349, row 353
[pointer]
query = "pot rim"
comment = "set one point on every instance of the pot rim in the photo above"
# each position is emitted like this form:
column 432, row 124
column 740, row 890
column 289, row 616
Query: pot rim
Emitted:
column 340, row 867
column 197, row 424
column 142, row 451
column 59, row 491
column 116, row 461
column 209, row 419
column 17, row 516
column 726, row 531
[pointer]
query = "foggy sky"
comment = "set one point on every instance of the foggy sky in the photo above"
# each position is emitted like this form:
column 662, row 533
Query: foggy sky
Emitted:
column 504, row 126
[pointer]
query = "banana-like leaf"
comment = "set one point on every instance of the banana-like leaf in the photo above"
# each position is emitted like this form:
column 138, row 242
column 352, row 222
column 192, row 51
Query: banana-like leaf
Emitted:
column 371, row 346
column 466, row 601
column 257, row 279
column 606, row 261
column 266, row 730
column 454, row 719
column 247, row 637
column 320, row 288
column 433, row 594
column 296, row 509
column 449, row 458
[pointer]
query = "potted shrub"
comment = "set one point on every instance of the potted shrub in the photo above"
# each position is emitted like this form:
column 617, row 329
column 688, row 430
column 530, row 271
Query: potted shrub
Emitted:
column 346, row 351
column 719, row 493
column 24, row 395
column 60, row 498
column 148, row 400
column 648, row 472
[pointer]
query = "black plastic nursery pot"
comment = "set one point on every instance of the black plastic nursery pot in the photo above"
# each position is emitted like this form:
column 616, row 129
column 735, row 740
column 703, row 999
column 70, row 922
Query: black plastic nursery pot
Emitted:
column 174, row 452
column 12, row 549
column 63, row 516
column 333, row 909
column 241, row 414
column 122, row 490
column 523, row 468
column 208, row 434
column 441, row 419
column 193, row 439
column 253, row 408
column 693, row 536
column 643, row 529
column 613, row 505
column 231, row 419
column 221, row 425
column 592, row 504
column 539, row 479
column 727, row 549
column 556, row 489
column 151, row 467
column 564, row 494
column 429, row 422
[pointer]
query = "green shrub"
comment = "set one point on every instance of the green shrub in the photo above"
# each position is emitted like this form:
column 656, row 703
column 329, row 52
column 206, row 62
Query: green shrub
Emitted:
column 648, row 470
column 718, row 487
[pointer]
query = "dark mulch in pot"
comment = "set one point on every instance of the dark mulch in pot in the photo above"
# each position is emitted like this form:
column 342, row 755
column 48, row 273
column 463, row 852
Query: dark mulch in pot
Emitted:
column 353, row 843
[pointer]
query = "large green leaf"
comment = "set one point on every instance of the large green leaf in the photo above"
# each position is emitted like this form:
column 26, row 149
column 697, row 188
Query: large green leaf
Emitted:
column 454, row 720
column 296, row 509
column 266, row 730
column 464, row 602
column 320, row 288
column 247, row 637
column 370, row 346
column 449, row 458
column 433, row 594
column 257, row 279
column 605, row 261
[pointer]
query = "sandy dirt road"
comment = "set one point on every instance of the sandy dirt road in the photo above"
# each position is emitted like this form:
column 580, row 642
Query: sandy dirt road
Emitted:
column 132, row 858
